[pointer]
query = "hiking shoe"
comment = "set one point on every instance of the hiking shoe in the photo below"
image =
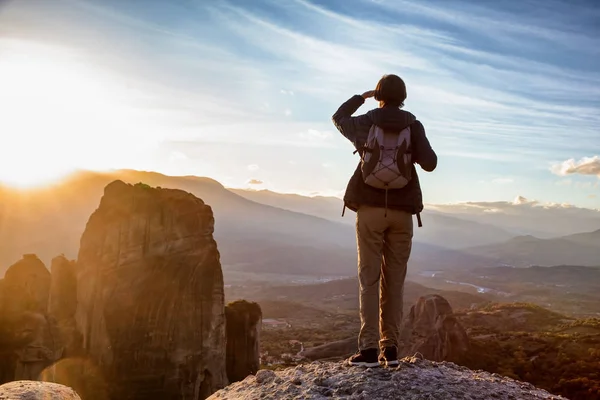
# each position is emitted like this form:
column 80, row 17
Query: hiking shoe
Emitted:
column 390, row 357
column 365, row 358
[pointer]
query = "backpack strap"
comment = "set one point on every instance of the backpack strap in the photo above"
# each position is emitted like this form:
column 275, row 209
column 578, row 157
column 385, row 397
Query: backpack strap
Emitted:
column 362, row 149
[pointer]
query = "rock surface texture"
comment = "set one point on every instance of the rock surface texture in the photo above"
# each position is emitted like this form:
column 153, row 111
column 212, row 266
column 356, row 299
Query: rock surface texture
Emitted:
column 26, row 286
column 62, row 305
column 150, row 294
column 243, row 339
column 30, row 390
column 29, row 339
column 432, row 330
column 413, row 379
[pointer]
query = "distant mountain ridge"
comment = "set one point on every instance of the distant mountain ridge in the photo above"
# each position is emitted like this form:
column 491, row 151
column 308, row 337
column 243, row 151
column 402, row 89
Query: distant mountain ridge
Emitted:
column 439, row 229
column 252, row 237
column 579, row 249
column 244, row 229
column 257, row 231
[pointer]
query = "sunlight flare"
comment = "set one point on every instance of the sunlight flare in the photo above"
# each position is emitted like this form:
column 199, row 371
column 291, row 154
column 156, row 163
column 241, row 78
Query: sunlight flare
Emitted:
column 60, row 115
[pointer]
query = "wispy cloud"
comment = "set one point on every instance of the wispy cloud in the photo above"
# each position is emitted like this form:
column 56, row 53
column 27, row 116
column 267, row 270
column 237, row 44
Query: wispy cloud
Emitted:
column 470, row 96
column 493, row 86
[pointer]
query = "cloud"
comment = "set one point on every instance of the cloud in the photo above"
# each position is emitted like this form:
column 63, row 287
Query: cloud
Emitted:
column 253, row 167
column 254, row 182
column 287, row 92
column 519, row 206
column 490, row 22
column 592, row 196
column 520, row 200
column 287, row 112
column 527, row 116
column 585, row 166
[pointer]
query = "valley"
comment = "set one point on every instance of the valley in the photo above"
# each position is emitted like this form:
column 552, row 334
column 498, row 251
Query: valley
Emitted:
column 528, row 304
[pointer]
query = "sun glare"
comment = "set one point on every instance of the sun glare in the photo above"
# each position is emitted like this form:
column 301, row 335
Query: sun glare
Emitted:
column 60, row 114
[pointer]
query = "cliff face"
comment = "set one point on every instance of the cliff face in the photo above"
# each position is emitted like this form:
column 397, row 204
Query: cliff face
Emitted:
column 62, row 304
column 413, row 379
column 244, row 321
column 28, row 337
column 150, row 294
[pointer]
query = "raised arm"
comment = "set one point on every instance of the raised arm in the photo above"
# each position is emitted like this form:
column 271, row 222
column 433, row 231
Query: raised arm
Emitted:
column 357, row 128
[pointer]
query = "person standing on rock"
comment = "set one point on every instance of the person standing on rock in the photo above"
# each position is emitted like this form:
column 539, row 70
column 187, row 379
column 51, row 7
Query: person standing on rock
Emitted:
column 385, row 193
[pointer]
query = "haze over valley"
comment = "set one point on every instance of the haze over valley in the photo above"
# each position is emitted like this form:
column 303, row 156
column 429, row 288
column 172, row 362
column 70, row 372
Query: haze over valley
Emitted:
column 271, row 238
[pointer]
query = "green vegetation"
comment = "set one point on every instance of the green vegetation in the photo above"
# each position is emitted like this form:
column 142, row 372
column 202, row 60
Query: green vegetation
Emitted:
column 587, row 323
column 563, row 364
column 527, row 342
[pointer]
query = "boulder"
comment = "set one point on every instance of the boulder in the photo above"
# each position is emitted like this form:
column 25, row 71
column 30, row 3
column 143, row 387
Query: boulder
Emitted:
column 243, row 339
column 150, row 299
column 30, row 390
column 432, row 330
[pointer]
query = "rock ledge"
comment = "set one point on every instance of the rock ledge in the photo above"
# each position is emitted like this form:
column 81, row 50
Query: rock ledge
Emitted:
column 30, row 390
column 413, row 379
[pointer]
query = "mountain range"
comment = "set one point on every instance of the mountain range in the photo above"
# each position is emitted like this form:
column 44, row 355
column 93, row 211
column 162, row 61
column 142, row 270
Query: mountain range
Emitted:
column 440, row 229
column 266, row 232
column 578, row 249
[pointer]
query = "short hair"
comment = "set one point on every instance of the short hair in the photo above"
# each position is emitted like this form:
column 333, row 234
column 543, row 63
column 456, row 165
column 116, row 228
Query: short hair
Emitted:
column 391, row 91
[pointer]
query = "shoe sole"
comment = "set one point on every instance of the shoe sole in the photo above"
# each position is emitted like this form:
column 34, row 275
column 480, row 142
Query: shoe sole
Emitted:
column 392, row 363
column 364, row 364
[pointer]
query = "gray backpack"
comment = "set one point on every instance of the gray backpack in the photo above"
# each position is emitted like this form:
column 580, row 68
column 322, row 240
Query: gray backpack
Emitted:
column 386, row 158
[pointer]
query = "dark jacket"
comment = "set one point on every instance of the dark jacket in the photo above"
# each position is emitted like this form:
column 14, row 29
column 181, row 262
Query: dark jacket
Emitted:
column 356, row 129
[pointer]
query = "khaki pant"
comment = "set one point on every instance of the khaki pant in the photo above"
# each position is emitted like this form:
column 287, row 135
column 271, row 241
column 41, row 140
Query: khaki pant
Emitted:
column 384, row 245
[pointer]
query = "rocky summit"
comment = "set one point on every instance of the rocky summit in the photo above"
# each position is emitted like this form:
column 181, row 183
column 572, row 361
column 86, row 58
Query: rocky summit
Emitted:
column 414, row 378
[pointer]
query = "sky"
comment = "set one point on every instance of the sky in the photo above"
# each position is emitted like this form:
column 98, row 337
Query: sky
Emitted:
column 243, row 91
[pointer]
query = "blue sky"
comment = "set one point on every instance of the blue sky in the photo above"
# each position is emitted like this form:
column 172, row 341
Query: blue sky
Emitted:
column 243, row 91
